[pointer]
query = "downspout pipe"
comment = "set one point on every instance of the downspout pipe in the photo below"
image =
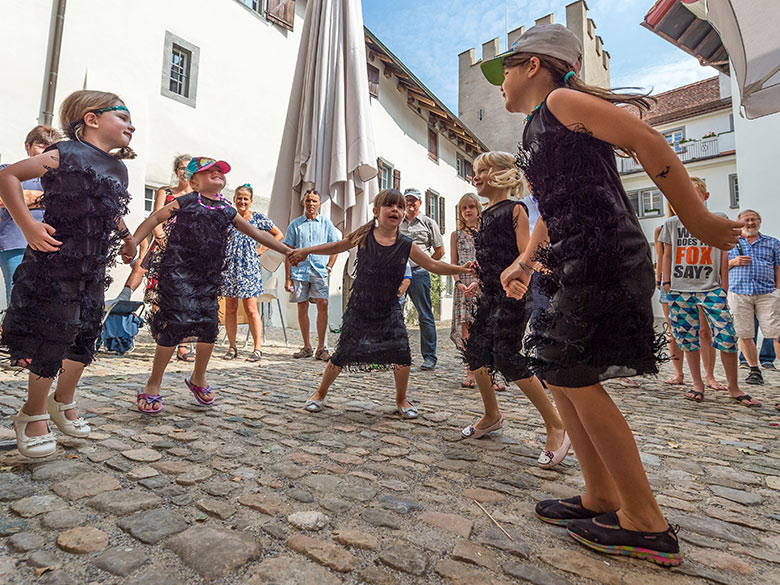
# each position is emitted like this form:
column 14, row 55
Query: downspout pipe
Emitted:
column 53, row 65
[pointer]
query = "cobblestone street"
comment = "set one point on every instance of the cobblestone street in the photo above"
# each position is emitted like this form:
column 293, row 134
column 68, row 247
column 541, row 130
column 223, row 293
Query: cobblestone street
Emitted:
column 256, row 490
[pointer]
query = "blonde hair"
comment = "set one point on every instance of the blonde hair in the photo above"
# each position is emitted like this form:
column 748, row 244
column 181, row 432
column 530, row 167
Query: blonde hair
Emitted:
column 700, row 185
column 459, row 212
column 384, row 198
column 503, row 171
column 79, row 104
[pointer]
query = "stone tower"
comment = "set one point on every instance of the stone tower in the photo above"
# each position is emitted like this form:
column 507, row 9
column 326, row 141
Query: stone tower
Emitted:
column 480, row 104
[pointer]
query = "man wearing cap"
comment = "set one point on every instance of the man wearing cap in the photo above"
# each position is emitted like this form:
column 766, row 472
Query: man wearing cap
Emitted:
column 308, row 281
column 426, row 234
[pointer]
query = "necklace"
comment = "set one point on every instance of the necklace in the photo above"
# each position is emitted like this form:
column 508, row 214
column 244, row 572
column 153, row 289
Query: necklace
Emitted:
column 220, row 197
column 528, row 117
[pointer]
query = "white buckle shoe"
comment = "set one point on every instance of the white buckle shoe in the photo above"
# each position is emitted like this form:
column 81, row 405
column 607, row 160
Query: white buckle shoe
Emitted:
column 315, row 405
column 38, row 446
column 73, row 428
column 409, row 412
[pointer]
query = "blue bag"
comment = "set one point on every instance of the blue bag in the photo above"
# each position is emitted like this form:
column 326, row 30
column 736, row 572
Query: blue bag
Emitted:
column 121, row 325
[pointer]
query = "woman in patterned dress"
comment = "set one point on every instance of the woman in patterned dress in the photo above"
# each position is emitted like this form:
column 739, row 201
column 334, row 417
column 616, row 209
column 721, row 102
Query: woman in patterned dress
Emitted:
column 242, row 277
column 467, row 286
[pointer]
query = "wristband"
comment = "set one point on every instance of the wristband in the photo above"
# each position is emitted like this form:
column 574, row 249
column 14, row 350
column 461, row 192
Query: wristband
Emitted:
column 667, row 282
column 658, row 283
column 525, row 268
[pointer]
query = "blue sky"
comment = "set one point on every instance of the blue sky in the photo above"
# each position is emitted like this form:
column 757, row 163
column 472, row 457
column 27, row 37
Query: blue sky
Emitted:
column 427, row 36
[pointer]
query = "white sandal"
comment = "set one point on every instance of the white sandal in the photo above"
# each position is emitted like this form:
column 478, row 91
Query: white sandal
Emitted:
column 38, row 446
column 74, row 428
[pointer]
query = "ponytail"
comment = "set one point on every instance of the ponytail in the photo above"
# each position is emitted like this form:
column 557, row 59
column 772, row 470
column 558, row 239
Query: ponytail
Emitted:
column 357, row 237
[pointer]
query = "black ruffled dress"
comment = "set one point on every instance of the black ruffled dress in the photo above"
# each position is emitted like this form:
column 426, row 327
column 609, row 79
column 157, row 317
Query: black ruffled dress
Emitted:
column 373, row 332
column 600, row 280
column 56, row 306
column 190, row 272
column 496, row 335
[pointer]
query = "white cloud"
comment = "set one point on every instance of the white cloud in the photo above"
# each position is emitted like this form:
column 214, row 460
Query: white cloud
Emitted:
column 665, row 76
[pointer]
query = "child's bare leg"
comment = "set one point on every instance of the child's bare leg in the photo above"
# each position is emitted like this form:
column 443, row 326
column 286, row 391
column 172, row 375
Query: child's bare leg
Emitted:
column 614, row 443
column 492, row 413
column 328, row 376
column 37, row 393
column 731, row 365
column 601, row 493
column 162, row 355
column 692, row 357
column 707, row 353
column 675, row 353
column 202, row 357
column 535, row 392
column 464, row 333
column 401, row 375
column 66, row 385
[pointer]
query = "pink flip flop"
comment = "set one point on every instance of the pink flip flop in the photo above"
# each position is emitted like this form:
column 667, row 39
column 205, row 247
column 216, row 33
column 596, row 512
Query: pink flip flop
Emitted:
column 151, row 400
column 199, row 393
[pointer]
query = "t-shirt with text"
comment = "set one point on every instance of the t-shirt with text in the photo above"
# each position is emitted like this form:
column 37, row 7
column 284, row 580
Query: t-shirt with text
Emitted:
column 695, row 265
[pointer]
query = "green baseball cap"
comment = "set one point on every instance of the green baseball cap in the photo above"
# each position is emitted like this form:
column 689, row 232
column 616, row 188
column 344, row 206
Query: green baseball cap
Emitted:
column 553, row 40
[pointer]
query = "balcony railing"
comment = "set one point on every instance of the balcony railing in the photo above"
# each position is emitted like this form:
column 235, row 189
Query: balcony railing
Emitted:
column 688, row 151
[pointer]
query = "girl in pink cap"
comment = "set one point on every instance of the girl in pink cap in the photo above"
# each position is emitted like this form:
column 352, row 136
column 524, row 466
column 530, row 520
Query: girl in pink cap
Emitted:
column 598, row 273
column 189, row 275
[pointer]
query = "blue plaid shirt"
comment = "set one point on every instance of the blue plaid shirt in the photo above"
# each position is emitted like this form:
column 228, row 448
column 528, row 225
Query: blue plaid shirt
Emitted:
column 304, row 232
column 758, row 277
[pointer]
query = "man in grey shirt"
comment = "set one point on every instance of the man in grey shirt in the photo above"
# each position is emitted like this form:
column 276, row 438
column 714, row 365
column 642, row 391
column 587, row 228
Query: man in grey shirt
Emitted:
column 426, row 234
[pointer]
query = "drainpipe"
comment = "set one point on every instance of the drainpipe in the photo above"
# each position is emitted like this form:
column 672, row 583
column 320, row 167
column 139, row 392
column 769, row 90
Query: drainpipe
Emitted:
column 53, row 65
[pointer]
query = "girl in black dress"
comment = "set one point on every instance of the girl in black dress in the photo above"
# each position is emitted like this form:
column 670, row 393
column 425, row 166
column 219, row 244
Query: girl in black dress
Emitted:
column 373, row 333
column 598, row 275
column 56, row 307
column 495, row 341
column 190, row 274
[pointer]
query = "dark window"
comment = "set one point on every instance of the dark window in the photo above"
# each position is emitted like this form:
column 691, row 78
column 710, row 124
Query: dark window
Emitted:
column 434, row 207
column 465, row 168
column 373, row 81
column 181, row 63
column 433, row 143
column 734, row 191
column 385, row 174
column 256, row 5
column 281, row 12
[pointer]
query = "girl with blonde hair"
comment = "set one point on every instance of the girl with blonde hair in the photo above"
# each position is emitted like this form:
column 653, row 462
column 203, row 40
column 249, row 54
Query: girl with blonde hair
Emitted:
column 466, row 287
column 56, row 309
column 495, row 340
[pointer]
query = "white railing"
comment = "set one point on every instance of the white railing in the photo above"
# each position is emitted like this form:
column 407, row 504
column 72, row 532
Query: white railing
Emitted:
column 689, row 151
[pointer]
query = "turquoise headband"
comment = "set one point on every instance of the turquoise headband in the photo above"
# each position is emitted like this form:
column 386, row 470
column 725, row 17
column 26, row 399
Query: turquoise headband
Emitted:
column 567, row 77
column 112, row 108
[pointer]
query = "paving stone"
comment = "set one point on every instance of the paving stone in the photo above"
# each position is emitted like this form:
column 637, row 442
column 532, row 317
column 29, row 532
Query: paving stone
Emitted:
column 156, row 576
column 142, row 472
column 220, row 488
column 709, row 575
column 154, row 483
column 34, row 505
column 397, row 504
column 227, row 550
column 475, row 554
column 289, row 470
column 532, row 574
column 195, row 475
column 285, row 570
column 10, row 525
column 404, row 557
column 25, row 542
column 335, row 505
column 308, row 520
column 356, row 539
column 739, row 496
column 719, row 560
column 271, row 504
column 151, row 526
column 115, row 444
column 326, row 553
column 713, row 528
column 57, row 577
column 576, row 562
column 82, row 540
column 125, row 502
column 302, row 496
column 7, row 570
column 121, row 560
column 142, row 455
column 449, row 522
column 171, row 467
column 60, row 470
column 218, row 508
column 463, row 574
column 86, row 485
column 497, row 539
column 483, row 495
column 359, row 493
column 62, row 519
column 377, row 576
column 322, row 484
column 380, row 518
column 14, row 487
column 44, row 558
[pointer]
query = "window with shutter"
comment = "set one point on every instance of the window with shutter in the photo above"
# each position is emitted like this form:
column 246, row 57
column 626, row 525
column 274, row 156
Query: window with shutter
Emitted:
column 373, row 81
column 281, row 12
column 428, row 203
column 396, row 179
column 433, row 143
column 442, row 206
column 379, row 164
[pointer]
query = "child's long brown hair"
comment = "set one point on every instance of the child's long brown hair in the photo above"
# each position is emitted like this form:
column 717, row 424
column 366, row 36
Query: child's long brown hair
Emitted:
column 79, row 104
column 384, row 198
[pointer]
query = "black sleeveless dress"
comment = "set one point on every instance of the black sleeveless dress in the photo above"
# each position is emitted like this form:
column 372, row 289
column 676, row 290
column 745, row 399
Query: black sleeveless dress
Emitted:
column 56, row 306
column 496, row 335
column 600, row 280
column 190, row 272
column 373, row 333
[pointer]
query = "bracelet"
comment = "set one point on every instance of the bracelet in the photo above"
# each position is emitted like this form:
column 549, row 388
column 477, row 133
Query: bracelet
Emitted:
column 329, row 268
column 525, row 268
column 658, row 283
column 667, row 282
column 457, row 282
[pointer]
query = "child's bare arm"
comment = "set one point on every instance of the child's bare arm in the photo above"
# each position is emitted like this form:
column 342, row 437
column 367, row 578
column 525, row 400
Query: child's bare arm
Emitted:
column 621, row 128
column 659, row 254
column 161, row 215
column 667, row 271
column 260, row 236
column 328, row 249
column 436, row 266
column 39, row 236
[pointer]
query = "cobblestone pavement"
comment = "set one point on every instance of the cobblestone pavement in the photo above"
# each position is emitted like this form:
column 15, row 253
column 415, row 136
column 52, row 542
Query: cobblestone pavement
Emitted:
column 256, row 490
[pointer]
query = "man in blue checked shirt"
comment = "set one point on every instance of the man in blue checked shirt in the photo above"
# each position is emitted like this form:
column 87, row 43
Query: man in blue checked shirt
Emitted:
column 754, row 277
column 308, row 282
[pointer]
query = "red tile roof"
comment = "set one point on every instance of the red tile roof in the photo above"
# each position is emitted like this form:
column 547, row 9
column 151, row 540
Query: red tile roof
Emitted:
column 687, row 101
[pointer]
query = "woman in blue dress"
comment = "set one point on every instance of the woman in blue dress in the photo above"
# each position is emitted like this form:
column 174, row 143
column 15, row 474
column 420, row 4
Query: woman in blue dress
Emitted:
column 242, row 277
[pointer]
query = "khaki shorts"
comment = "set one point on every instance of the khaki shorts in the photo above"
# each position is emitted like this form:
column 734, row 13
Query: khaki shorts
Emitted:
column 766, row 308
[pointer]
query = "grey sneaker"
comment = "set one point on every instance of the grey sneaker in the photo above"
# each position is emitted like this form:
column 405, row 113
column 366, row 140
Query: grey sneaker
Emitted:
column 768, row 366
column 428, row 364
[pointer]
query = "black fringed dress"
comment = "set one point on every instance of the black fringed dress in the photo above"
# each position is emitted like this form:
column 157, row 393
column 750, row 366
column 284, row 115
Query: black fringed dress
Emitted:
column 373, row 332
column 600, row 280
column 56, row 306
column 496, row 335
column 190, row 271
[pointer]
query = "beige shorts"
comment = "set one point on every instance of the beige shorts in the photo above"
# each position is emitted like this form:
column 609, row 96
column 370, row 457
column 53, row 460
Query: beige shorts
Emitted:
column 766, row 308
